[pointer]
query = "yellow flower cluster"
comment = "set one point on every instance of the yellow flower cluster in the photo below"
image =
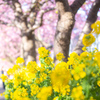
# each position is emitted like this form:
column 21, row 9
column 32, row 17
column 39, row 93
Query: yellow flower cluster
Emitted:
column 77, row 93
column 72, row 59
column 60, row 56
column 97, row 57
column 85, row 68
column 98, row 83
column 19, row 94
column 48, row 60
column 60, row 77
column 44, row 93
column 78, row 71
column 34, row 89
column 84, row 49
column 56, row 98
column 43, row 52
column 19, row 60
column 91, row 98
column 3, row 77
column 32, row 67
column 88, row 39
column 76, row 79
column 12, row 70
column 96, row 27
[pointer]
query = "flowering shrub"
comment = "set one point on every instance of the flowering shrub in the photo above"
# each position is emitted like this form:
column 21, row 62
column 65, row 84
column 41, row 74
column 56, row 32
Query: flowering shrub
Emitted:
column 78, row 79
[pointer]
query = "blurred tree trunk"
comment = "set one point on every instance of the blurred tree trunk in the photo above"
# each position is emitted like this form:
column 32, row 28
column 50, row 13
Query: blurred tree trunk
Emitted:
column 28, row 47
column 66, row 20
column 92, row 17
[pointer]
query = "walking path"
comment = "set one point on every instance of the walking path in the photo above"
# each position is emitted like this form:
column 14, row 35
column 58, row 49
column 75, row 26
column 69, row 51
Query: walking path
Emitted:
column 1, row 90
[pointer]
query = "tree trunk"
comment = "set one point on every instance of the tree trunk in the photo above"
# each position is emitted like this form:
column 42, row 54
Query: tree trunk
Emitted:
column 64, row 28
column 28, row 47
column 92, row 16
column 65, row 25
column 63, row 34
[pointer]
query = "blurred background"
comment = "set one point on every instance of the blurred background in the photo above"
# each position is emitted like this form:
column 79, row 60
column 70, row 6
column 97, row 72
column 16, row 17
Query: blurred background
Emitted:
column 41, row 18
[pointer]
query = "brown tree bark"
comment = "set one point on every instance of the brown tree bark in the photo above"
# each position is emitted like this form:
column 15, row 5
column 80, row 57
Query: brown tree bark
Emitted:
column 65, row 25
column 92, row 17
column 28, row 38
column 28, row 47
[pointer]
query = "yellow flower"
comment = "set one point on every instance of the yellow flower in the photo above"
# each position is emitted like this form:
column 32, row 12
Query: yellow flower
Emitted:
column 96, row 27
column 77, row 93
column 16, row 67
column 10, row 71
column 43, row 75
column 44, row 93
column 56, row 12
column 91, row 98
column 43, row 52
column 84, row 48
column 78, row 71
column 24, row 83
column 88, row 39
column 77, row 84
column 60, row 56
column 97, row 57
column 76, row 77
column 1, row 94
column 82, row 74
column 84, row 54
column 34, row 89
column 20, row 94
column 98, row 83
column 48, row 60
column 32, row 66
column 56, row 98
column 6, row 96
column 19, row 76
column 20, row 60
column 38, row 81
column 93, row 74
column 3, row 77
column 60, row 76
column 73, row 57
column 10, row 81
